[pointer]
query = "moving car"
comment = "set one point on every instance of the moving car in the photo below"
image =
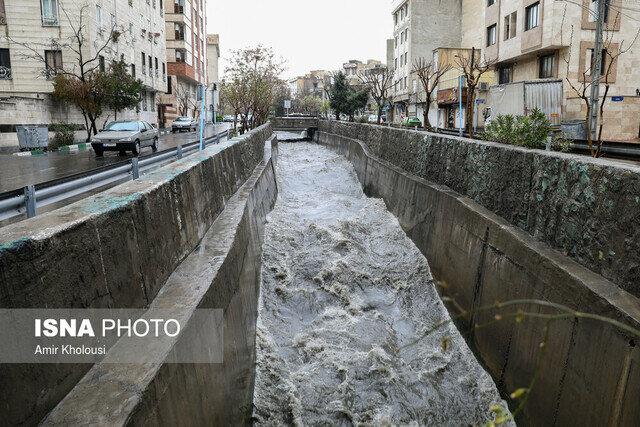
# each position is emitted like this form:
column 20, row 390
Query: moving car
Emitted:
column 126, row 135
column 184, row 123
column 412, row 122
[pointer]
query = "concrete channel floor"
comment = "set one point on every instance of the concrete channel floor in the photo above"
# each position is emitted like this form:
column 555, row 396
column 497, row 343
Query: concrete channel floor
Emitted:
column 345, row 305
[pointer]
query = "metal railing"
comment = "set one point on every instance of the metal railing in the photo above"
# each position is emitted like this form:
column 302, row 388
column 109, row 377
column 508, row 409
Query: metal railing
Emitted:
column 17, row 204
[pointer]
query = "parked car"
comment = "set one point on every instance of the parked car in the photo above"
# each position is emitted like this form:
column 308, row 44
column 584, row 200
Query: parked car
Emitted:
column 229, row 118
column 373, row 118
column 123, row 136
column 412, row 122
column 184, row 123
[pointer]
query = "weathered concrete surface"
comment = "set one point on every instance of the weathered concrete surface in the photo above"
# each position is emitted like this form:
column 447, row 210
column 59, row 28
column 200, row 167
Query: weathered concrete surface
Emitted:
column 588, row 209
column 222, row 273
column 115, row 249
column 591, row 373
column 294, row 123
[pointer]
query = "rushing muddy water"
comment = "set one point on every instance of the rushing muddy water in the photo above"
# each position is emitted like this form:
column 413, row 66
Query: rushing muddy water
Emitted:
column 344, row 295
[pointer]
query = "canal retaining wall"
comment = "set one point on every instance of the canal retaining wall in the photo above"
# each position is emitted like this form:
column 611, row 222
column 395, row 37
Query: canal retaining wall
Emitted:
column 118, row 249
column 499, row 223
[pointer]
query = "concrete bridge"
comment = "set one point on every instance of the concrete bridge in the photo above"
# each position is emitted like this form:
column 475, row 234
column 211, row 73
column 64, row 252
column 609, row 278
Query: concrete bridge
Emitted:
column 496, row 224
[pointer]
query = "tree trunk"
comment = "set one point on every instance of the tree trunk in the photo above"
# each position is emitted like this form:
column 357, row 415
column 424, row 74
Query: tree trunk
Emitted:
column 471, row 90
column 425, row 115
column 379, row 114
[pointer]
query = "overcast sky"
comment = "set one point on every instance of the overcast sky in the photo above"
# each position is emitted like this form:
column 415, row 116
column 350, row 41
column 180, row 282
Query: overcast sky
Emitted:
column 309, row 35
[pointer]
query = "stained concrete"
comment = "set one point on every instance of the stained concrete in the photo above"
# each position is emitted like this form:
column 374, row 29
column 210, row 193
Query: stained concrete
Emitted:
column 590, row 374
column 294, row 123
column 116, row 249
column 588, row 209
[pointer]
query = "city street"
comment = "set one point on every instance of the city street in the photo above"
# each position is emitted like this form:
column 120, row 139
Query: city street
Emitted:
column 19, row 171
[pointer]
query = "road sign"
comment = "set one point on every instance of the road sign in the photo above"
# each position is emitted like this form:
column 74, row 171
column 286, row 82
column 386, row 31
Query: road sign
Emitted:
column 617, row 98
column 287, row 104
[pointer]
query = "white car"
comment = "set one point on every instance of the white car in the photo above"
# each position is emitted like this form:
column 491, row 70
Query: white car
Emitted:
column 123, row 136
column 184, row 123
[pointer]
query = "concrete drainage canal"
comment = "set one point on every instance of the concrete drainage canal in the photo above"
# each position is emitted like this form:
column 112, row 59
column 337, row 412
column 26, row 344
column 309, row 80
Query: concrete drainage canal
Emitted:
column 348, row 312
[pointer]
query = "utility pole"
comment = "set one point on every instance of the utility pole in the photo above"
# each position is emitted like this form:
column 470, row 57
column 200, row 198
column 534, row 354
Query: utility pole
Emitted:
column 202, row 89
column 596, row 67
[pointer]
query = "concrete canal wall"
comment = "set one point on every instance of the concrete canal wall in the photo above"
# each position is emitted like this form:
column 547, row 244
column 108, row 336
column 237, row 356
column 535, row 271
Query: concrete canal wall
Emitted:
column 119, row 249
column 499, row 223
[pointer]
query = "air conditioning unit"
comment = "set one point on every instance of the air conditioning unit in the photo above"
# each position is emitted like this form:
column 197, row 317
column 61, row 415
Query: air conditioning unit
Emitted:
column 484, row 86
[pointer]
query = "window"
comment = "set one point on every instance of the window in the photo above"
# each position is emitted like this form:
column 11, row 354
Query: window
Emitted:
column 395, row 18
column 101, row 63
column 164, row 71
column 113, row 20
column 603, row 64
column 510, row 25
column 98, row 15
column 169, row 86
column 133, row 70
column 547, row 66
column 490, row 2
column 180, row 55
column 53, row 62
column 179, row 31
column 5, row 64
column 49, row 9
column 593, row 10
column 532, row 16
column 150, row 66
column 491, row 35
column 144, row 63
column 157, row 70
column 178, row 6
column 505, row 74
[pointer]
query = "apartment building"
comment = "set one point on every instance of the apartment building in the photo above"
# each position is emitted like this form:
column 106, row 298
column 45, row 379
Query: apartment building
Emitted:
column 312, row 83
column 547, row 39
column 37, row 42
column 419, row 27
column 186, row 39
column 213, row 75
column 353, row 68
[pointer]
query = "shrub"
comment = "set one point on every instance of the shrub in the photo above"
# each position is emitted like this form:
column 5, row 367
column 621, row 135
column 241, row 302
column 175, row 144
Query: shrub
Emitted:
column 362, row 119
column 526, row 131
column 64, row 135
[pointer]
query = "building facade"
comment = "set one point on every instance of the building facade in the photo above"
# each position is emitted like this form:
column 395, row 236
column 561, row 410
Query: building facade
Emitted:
column 525, row 41
column 419, row 27
column 186, row 39
column 38, row 42
column 213, row 76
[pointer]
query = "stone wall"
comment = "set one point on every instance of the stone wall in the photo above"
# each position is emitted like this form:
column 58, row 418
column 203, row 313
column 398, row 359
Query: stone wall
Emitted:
column 586, row 208
column 112, row 250
column 589, row 373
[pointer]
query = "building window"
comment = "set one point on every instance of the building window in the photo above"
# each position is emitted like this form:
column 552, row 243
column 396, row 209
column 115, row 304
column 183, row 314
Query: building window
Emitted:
column 169, row 86
column 157, row 69
column 593, row 10
column 99, row 15
column 53, row 62
column 505, row 74
column 603, row 64
column 532, row 16
column 101, row 64
column 179, row 31
column 178, row 6
column 490, row 2
column 49, row 9
column 150, row 66
column 144, row 101
column 164, row 71
column 510, row 22
column 133, row 70
column 144, row 63
column 180, row 55
column 5, row 64
column 491, row 35
column 547, row 66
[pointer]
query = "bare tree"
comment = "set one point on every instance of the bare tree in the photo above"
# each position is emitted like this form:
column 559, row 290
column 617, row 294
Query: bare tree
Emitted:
column 429, row 75
column 473, row 68
column 378, row 82
column 582, row 85
column 185, row 99
column 82, row 70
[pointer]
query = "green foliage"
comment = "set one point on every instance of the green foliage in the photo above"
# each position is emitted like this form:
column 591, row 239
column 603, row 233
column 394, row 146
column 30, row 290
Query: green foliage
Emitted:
column 362, row 119
column 561, row 143
column 526, row 131
column 64, row 135
column 121, row 90
column 346, row 99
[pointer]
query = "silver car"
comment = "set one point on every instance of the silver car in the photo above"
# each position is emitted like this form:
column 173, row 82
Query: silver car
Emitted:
column 184, row 123
column 123, row 136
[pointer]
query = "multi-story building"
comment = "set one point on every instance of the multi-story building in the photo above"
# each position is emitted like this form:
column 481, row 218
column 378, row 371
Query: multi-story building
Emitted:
column 547, row 39
column 213, row 76
column 525, row 40
column 354, row 68
column 312, row 83
column 419, row 26
column 38, row 42
column 185, row 28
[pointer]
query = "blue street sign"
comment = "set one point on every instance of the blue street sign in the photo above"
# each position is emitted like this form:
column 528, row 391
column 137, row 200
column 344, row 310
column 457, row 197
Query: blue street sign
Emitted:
column 617, row 98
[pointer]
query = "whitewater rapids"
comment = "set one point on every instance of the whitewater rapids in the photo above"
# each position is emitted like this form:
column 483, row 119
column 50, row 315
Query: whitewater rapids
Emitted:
column 344, row 294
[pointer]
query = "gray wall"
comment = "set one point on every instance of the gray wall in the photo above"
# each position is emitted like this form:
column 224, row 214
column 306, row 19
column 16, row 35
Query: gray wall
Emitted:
column 294, row 123
column 116, row 249
column 591, row 373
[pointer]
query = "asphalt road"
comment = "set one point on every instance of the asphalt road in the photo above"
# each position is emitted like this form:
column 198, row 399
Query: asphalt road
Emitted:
column 19, row 171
